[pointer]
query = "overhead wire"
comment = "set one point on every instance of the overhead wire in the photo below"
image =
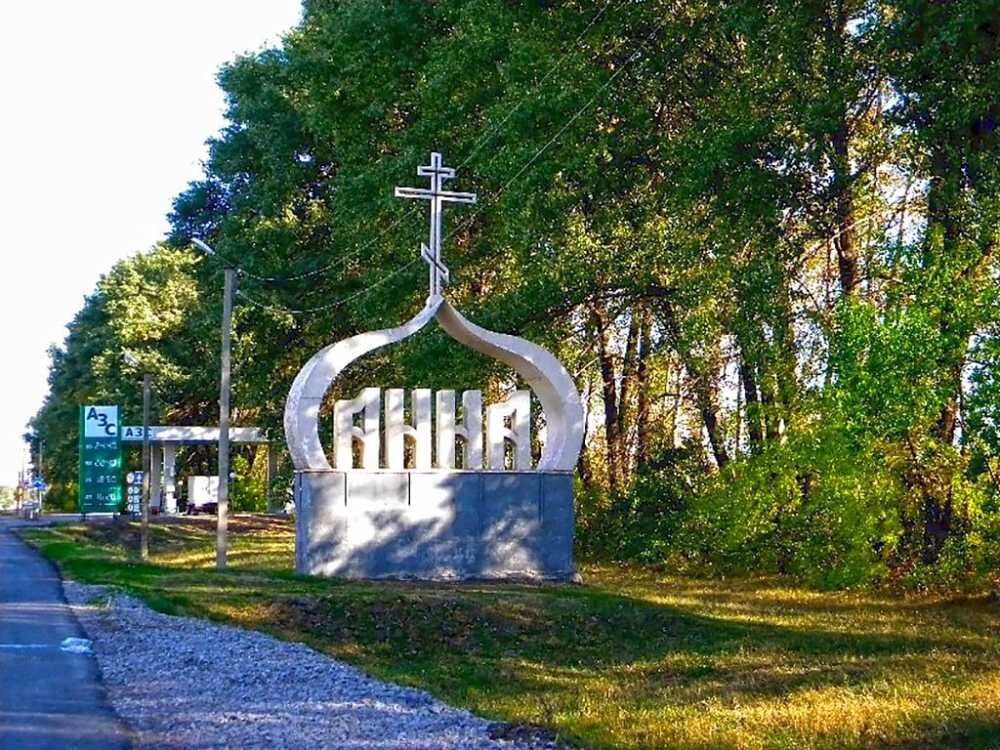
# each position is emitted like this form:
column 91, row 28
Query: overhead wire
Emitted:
column 494, row 129
column 468, row 221
column 477, row 146
column 621, row 69
column 331, row 305
column 333, row 265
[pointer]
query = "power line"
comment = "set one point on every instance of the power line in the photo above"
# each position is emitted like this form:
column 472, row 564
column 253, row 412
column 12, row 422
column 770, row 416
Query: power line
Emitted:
column 340, row 261
column 331, row 305
column 477, row 146
column 462, row 225
column 482, row 141
column 230, row 263
column 485, row 138
column 625, row 65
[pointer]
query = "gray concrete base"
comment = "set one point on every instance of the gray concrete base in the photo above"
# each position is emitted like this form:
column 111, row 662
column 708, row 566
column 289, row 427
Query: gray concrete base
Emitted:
column 434, row 525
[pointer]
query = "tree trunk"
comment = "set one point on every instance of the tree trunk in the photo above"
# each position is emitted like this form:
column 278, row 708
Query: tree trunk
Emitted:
column 847, row 251
column 769, row 408
column 706, row 394
column 786, row 360
column 843, row 198
column 752, row 398
column 942, row 199
column 583, row 462
column 948, row 419
column 937, row 526
column 609, row 393
column 704, row 381
column 642, row 407
column 630, row 366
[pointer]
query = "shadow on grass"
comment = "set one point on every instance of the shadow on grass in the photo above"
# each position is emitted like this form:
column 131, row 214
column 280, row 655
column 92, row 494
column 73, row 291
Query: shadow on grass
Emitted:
column 567, row 630
column 535, row 653
column 846, row 603
column 977, row 732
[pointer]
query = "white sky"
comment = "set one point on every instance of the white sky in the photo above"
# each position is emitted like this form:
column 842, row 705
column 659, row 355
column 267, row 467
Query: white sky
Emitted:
column 105, row 106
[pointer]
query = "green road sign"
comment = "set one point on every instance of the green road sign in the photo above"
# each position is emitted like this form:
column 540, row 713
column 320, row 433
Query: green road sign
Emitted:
column 100, row 459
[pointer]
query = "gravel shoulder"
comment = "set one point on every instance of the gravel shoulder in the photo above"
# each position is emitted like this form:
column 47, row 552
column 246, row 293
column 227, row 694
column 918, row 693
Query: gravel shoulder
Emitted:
column 186, row 683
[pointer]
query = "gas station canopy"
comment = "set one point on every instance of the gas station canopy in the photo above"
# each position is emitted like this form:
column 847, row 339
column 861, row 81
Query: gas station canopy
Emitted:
column 164, row 442
column 191, row 435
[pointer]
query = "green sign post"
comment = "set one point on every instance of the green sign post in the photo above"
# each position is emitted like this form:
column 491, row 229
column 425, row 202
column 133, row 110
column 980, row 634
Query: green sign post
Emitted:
column 100, row 459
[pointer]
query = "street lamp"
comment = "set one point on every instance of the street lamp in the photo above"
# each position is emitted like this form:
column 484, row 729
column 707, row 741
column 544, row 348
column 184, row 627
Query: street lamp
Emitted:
column 222, row 531
column 202, row 246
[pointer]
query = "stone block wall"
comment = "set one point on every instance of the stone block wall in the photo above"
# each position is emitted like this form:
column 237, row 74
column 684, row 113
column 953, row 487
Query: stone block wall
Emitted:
column 435, row 525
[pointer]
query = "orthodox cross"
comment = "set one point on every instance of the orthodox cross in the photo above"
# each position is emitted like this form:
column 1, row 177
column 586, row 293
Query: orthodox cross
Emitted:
column 431, row 252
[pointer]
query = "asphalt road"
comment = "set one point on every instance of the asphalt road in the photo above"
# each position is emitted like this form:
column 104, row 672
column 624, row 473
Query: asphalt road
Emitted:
column 50, row 697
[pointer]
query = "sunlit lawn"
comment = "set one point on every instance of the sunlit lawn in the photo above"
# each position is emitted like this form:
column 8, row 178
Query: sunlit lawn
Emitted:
column 633, row 659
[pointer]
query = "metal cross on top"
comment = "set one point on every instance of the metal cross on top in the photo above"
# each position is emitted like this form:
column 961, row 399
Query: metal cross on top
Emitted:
column 431, row 252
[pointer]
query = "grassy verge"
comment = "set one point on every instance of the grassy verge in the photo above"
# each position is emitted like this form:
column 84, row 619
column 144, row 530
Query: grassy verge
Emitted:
column 634, row 659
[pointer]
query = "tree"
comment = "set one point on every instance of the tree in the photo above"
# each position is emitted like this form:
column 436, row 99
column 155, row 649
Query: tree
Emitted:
column 761, row 235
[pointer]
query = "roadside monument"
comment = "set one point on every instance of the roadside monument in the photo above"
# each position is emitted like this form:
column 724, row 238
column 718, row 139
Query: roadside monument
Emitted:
column 469, row 502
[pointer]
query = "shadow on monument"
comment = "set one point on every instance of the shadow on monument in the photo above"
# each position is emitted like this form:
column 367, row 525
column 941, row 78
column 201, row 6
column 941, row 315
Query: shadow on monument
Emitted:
column 449, row 525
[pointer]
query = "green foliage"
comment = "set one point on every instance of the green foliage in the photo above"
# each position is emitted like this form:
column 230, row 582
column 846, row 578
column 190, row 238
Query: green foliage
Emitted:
column 643, row 524
column 887, row 382
column 818, row 505
column 634, row 658
column 762, row 236
column 249, row 490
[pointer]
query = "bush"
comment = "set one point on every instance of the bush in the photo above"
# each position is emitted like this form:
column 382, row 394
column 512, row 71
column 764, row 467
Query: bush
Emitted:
column 249, row 492
column 812, row 506
column 641, row 524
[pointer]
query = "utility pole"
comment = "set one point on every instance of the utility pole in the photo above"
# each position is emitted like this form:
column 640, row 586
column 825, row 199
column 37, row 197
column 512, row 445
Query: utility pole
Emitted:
column 144, row 523
column 222, row 523
column 41, row 473
column 23, row 484
column 222, row 540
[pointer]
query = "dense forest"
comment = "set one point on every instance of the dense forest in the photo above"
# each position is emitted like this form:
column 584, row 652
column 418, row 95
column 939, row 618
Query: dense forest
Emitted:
column 762, row 236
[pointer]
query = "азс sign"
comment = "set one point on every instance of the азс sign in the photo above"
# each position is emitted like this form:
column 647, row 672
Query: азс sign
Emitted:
column 100, row 459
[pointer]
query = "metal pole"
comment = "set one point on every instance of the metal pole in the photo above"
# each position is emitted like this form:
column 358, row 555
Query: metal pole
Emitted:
column 144, row 524
column 222, row 541
column 41, row 473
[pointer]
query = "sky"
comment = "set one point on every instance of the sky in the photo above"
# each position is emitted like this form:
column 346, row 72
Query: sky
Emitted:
column 105, row 107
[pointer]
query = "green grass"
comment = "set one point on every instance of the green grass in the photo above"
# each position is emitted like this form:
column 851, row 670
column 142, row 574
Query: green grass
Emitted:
column 633, row 659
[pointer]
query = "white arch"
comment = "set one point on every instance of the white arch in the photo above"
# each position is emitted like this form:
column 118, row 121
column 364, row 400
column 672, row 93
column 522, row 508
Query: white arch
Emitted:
column 543, row 373
column 313, row 381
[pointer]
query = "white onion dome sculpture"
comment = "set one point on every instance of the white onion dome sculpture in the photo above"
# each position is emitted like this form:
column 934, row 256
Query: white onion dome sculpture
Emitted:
column 540, row 370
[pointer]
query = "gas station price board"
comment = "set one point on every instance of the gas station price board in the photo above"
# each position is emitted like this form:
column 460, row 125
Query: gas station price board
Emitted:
column 100, row 459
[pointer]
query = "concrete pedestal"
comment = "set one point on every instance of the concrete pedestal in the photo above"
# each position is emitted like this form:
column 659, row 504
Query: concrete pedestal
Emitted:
column 434, row 525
